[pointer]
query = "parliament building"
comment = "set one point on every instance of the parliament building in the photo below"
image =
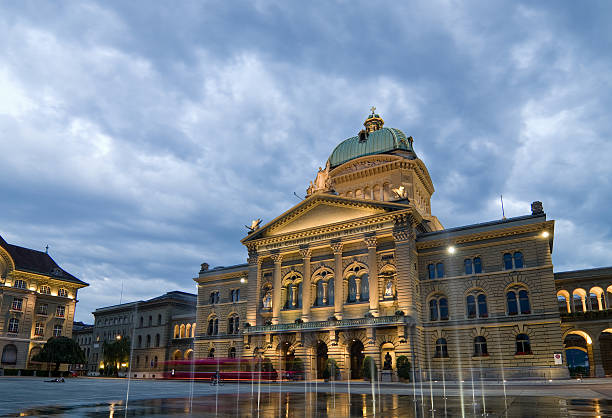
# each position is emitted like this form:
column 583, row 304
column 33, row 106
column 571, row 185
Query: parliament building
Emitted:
column 361, row 267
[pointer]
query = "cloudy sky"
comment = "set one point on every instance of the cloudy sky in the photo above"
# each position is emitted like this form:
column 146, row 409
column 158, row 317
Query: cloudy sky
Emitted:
column 137, row 138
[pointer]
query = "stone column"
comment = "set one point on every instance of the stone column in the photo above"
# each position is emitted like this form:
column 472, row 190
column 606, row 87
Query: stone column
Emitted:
column 572, row 300
column 338, row 280
column 253, row 286
column 306, row 286
column 405, row 258
column 597, row 370
column 373, row 274
column 276, row 297
column 606, row 301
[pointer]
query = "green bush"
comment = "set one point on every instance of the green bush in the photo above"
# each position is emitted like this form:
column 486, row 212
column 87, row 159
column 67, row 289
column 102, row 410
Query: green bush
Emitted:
column 403, row 367
column 370, row 370
column 11, row 372
column 268, row 369
column 331, row 369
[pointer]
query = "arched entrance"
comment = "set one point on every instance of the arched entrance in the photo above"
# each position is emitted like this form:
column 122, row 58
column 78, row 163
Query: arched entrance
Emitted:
column 356, row 353
column 321, row 358
column 605, row 347
column 576, row 353
column 9, row 354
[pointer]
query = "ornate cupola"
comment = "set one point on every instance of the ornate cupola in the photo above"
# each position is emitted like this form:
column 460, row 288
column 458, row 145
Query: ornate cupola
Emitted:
column 374, row 122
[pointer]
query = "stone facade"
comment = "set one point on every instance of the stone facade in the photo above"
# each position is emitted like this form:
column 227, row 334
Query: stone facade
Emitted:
column 157, row 329
column 37, row 301
column 361, row 267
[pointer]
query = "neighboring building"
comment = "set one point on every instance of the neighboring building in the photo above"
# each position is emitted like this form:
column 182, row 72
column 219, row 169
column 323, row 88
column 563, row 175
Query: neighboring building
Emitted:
column 37, row 301
column 83, row 335
column 361, row 267
column 160, row 329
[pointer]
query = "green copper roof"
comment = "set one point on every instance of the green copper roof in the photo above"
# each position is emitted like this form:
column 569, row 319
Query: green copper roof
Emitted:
column 378, row 142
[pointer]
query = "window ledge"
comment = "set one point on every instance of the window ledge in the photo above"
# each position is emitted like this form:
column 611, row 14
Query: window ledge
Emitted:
column 441, row 358
column 16, row 310
column 519, row 356
column 487, row 357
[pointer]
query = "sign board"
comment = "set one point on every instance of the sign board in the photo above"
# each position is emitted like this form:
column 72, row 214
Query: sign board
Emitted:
column 558, row 358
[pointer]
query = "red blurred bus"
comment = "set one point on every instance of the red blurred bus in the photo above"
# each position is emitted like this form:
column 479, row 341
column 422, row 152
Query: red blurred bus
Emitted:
column 230, row 369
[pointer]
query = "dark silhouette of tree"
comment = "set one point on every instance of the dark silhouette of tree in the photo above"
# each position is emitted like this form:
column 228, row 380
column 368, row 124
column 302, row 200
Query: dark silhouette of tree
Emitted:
column 60, row 350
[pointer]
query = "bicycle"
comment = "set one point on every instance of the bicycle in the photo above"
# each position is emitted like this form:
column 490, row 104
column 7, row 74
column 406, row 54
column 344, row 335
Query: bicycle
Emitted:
column 216, row 381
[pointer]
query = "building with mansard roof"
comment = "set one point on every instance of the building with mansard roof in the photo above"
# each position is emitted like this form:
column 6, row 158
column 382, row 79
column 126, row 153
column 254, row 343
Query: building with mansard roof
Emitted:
column 37, row 301
column 361, row 267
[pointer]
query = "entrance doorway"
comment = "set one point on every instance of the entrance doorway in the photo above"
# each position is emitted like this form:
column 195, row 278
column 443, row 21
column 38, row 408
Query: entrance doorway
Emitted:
column 605, row 346
column 356, row 360
column 576, row 353
column 321, row 358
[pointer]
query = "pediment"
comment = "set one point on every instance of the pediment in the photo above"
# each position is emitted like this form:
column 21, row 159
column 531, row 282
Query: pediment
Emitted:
column 320, row 210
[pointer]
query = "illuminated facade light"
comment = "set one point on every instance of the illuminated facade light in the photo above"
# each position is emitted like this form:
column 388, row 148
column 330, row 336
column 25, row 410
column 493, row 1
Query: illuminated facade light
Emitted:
column 451, row 250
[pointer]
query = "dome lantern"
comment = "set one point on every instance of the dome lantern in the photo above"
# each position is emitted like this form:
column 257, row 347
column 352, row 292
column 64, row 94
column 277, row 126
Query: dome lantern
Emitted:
column 374, row 122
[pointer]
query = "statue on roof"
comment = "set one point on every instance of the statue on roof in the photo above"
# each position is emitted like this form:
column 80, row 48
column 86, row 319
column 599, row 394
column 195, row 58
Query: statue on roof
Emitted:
column 322, row 182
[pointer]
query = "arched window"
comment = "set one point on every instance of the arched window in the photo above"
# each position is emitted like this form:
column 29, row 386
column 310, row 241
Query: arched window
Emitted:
column 468, row 265
column 150, row 321
column 330, row 291
column 182, row 331
column 155, row 361
column 9, row 354
column 365, row 288
column 157, row 340
column 176, row 331
column 433, row 310
column 511, row 301
column 524, row 302
column 438, row 308
column 148, row 341
column 480, row 347
column 352, row 289
column 507, row 261
column 441, row 348
column 193, row 329
column 518, row 260
column 477, row 265
column 483, row 311
column 440, row 270
column 230, row 325
column 320, row 293
column 188, row 331
column 431, row 270
column 45, row 290
column 471, row 306
column 522, row 344
column 159, row 319
column 139, row 341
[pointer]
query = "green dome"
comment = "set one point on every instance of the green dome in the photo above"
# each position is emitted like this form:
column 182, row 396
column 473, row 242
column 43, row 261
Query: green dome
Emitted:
column 382, row 141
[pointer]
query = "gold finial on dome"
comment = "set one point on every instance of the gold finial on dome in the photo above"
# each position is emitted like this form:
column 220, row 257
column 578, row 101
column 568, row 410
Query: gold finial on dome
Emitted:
column 374, row 122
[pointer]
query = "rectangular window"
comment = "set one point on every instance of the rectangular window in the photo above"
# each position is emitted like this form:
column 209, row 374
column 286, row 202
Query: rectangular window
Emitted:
column 57, row 331
column 17, row 304
column 39, row 330
column 13, row 325
column 63, row 293
column 45, row 290
column 440, row 270
column 60, row 311
column 43, row 309
column 237, row 295
column 20, row 284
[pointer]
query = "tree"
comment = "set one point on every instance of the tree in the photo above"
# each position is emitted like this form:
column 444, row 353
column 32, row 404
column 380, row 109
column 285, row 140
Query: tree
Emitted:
column 331, row 370
column 60, row 350
column 403, row 367
column 370, row 371
column 114, row 354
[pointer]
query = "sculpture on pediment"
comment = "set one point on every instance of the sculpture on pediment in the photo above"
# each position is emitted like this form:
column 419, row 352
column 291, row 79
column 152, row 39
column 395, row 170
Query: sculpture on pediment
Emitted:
column 322, row 182
column 255, row 224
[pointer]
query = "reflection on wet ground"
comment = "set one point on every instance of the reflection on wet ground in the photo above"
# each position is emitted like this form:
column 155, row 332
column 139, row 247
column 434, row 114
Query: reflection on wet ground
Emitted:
column 338, row 405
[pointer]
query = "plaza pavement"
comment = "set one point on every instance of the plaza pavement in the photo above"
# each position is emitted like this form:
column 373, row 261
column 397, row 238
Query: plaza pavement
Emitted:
column 22, row 393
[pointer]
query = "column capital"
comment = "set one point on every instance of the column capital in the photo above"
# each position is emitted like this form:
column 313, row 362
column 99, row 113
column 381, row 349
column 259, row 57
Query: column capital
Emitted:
column 371, row 241
column 404, row 234
column 253, row 257
column 306, row 252
column 337, row 247
column 277, row 258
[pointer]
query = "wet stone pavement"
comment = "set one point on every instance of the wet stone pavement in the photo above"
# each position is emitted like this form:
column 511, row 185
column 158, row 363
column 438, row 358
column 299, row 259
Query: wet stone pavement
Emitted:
column 106, row 398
